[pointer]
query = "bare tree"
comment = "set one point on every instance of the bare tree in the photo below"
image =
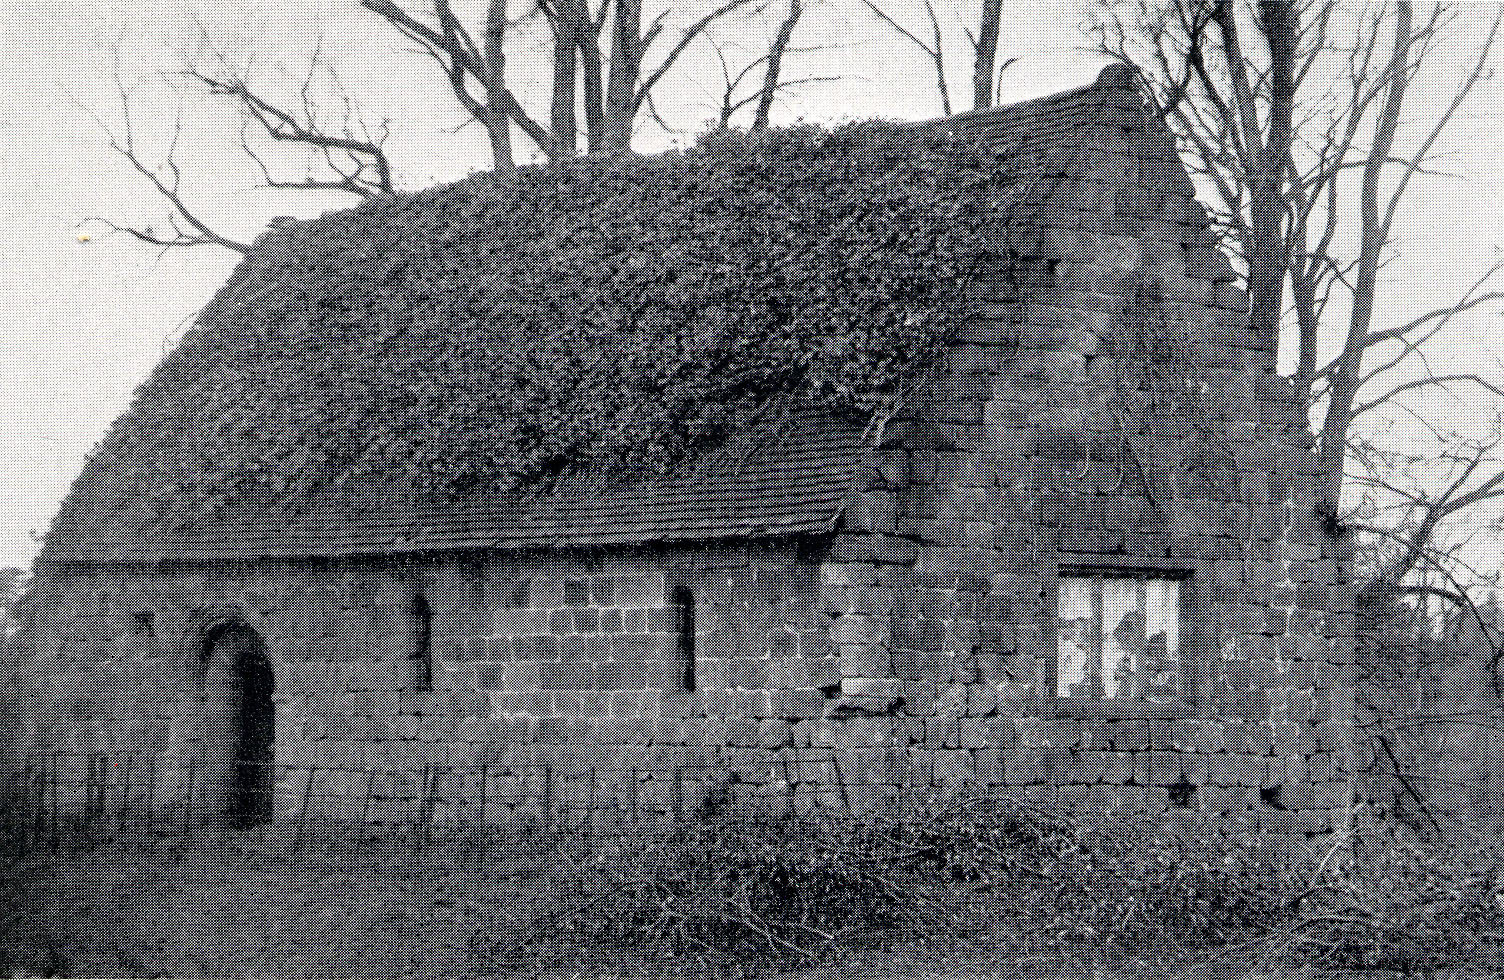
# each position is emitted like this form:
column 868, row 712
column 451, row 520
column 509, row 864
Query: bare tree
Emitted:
column 1281, row 108
column 984, row 42
column 320, row 125
column 477, row 72
column 934, row 48
column 1298, row 117
column 774, row 62
column 733, row 101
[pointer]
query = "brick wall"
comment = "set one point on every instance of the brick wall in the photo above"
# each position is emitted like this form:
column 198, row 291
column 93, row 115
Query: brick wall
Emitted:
column 902, row 652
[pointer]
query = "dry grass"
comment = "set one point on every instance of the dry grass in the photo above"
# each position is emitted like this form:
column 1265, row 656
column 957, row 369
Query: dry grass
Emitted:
column 959, row 893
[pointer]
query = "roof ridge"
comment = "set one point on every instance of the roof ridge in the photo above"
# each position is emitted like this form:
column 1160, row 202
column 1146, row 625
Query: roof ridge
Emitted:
column 1117, row 75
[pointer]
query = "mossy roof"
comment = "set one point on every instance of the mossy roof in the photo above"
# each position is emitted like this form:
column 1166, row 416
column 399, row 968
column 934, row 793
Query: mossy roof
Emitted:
column 787, row 477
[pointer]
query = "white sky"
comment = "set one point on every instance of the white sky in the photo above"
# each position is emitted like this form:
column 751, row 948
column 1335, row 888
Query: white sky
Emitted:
column 81, row 324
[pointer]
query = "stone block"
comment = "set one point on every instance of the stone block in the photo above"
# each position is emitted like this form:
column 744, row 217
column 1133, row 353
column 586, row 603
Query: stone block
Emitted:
column 953, row 769
column 908, row 731
column 827, row 672
column 951, row 699
column 1090, row 767
column 867, row 731
column 974, row 733
column 807, row 702
column 943, row 731
column 1055, row 765
column 773, row 733
column 981, row 699
column 885, row 690
column 1166, row 768
column 1131, row 735
column 1062, row 733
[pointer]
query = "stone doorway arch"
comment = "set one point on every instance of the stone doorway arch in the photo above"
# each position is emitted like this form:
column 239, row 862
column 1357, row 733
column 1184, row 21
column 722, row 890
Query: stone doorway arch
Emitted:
column 240, row 719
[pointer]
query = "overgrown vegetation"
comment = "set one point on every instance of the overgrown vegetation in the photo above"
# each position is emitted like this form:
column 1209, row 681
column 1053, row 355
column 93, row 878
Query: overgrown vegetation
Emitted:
column 970, row 882
column 594, row 316
column 977, row 874
column 1430, row 699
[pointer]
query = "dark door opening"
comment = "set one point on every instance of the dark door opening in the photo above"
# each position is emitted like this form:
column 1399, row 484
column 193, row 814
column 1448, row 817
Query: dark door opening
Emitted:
column 240, row 693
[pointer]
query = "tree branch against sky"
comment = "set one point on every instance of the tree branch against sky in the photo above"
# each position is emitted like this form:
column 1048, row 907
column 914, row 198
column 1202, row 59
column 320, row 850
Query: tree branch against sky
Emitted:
column 602, row 59
column 732, row 99
column 1308, row 124
column 773, row 64
column 930, row 39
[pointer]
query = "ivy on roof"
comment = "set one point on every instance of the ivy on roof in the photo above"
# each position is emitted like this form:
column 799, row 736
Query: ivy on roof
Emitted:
column 599, row 316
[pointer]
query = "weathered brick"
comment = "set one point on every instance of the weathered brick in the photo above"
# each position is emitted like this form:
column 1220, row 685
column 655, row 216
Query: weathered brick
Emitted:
column 1131, row 735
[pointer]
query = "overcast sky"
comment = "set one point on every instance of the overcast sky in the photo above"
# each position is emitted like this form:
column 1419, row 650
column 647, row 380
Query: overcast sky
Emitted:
column 84, row 322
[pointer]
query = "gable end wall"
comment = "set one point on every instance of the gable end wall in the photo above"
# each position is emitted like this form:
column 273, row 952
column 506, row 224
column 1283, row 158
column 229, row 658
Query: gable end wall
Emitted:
column 1017, row 469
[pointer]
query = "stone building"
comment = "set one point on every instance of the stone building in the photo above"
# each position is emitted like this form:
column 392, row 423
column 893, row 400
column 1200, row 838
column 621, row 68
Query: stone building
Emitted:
column 1024, row 579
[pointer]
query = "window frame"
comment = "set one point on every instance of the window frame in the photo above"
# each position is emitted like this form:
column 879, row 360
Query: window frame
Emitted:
column 1188, row 660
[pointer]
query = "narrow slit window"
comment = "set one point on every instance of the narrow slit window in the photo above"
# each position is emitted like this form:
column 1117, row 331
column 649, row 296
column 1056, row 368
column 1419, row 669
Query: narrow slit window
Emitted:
column 421, row 654
column 684, row 605
column 1118, row 636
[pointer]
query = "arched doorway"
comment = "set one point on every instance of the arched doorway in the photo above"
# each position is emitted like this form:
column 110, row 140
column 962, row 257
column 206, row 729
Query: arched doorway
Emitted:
column 240, row 725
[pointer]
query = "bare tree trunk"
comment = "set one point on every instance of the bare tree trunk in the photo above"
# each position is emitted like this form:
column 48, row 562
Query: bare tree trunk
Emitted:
column 499, row 135
column 1308, row 325
column 621, row 84
column 1346, row 374
column 567, row 28
column 494, row 62
column 775, row 64
column 986, row 53
column 1266, row 248
column 590, row 70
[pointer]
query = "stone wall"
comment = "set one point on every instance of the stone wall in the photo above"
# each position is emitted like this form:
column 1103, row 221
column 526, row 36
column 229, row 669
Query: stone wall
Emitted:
column 1105, row 409
column 568, row 663
column 1108, row 410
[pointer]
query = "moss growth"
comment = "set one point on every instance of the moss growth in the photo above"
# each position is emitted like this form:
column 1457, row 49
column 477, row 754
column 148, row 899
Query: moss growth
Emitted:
column 600, row 316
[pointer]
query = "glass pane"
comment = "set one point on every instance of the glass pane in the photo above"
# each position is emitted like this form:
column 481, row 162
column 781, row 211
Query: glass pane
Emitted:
column 1162, row 650
column 1078, row 661
column 1122, row 635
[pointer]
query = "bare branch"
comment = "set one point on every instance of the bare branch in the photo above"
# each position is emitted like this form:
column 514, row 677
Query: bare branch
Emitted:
column 686, row 38
column 454, row 48
column 1470, row 81
column 186, row 227
column 935, row 51
column 1443, row 381
column 371, row 173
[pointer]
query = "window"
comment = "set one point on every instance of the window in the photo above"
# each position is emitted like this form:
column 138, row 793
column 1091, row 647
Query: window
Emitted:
column 1118, row 635
column 684, row 607
column 421, row 652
